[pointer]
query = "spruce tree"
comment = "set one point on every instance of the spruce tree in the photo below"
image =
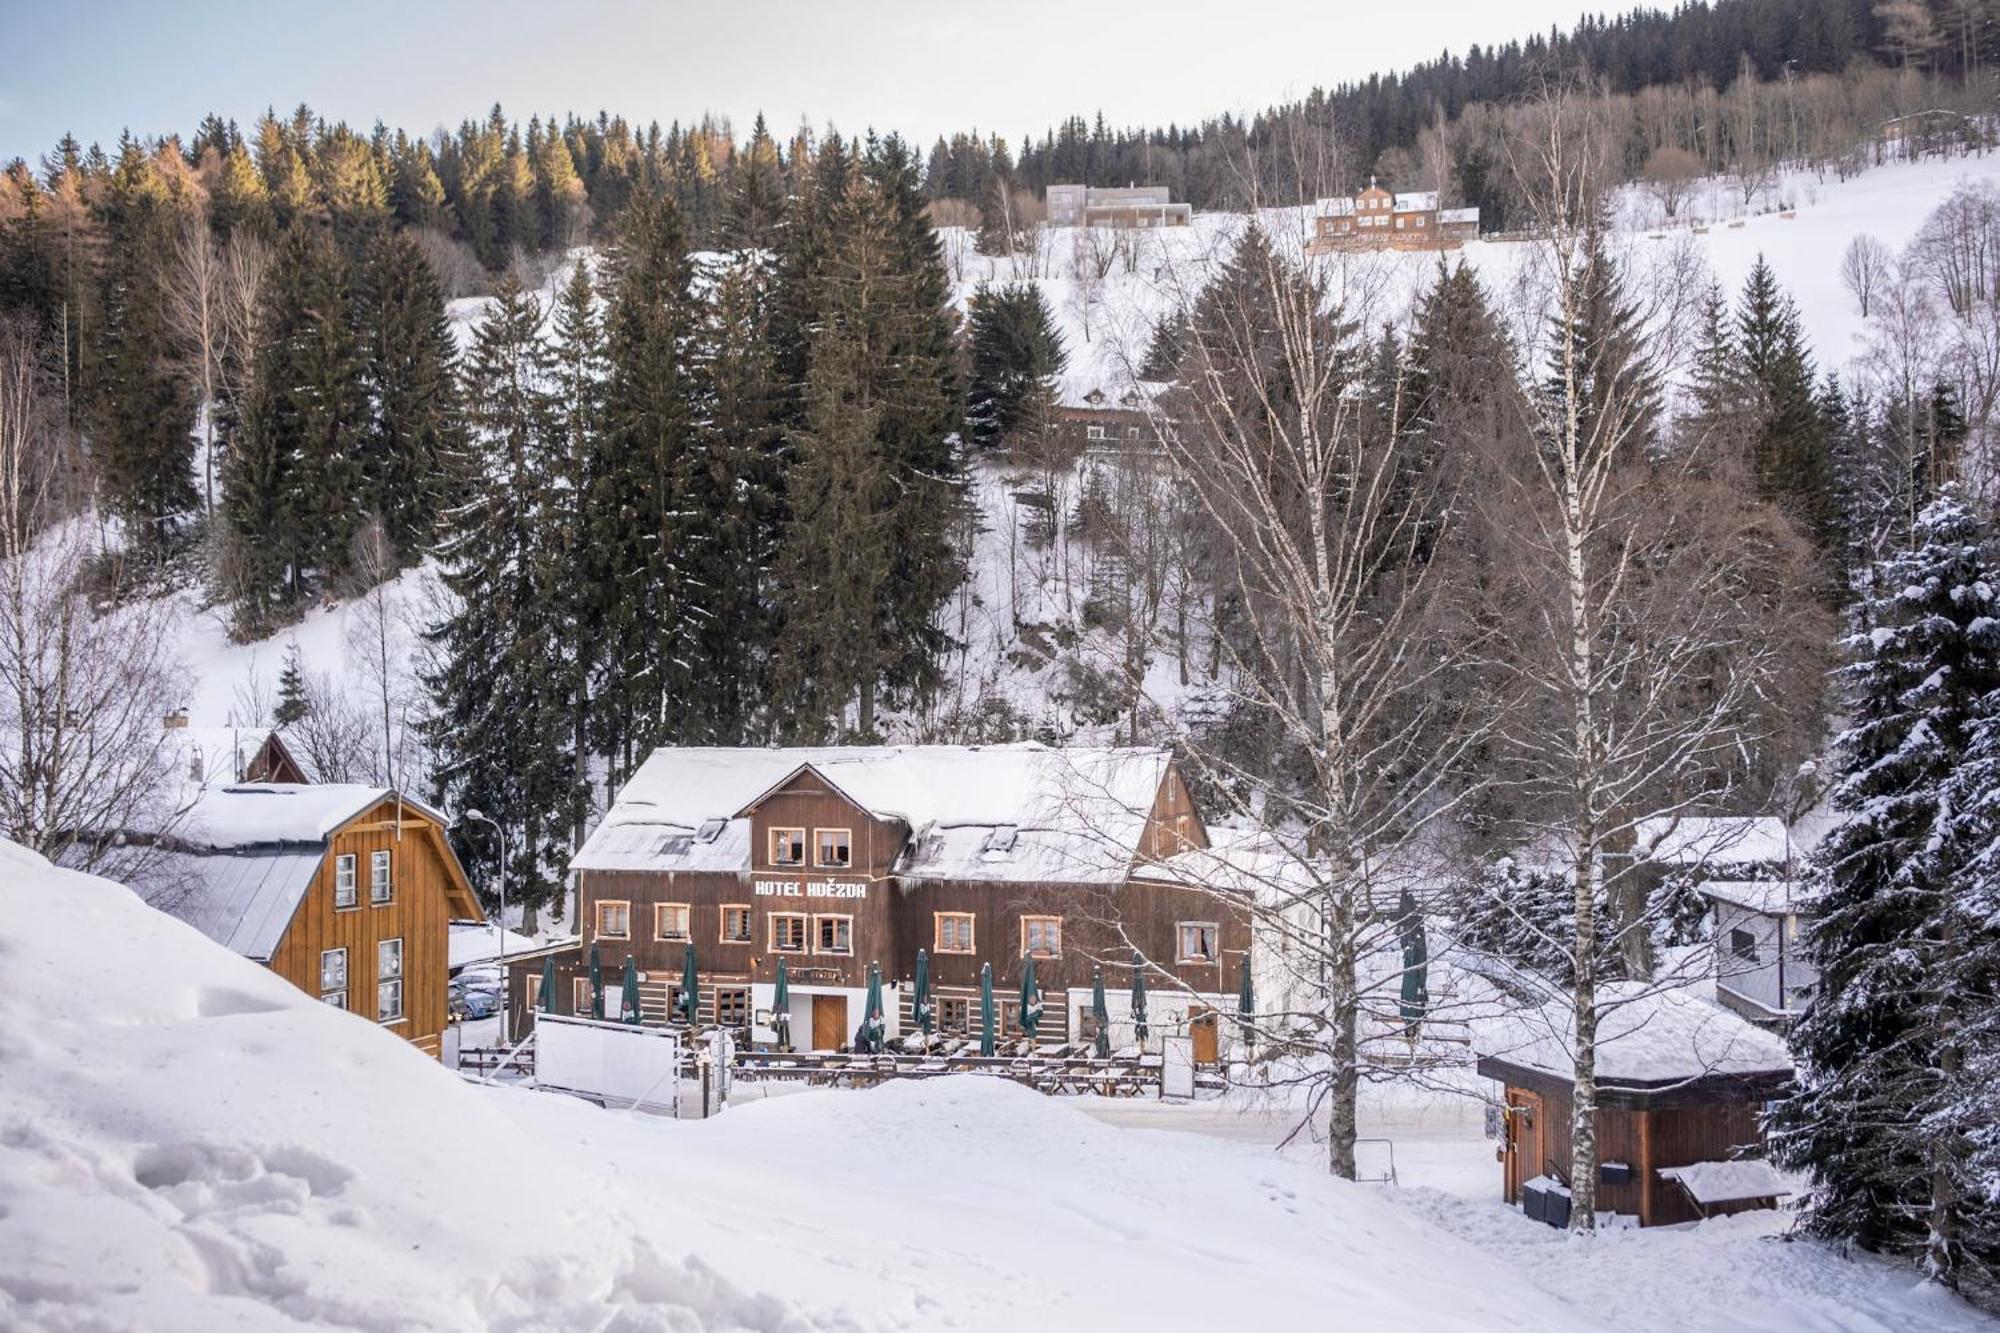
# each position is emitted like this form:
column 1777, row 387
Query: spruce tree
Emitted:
column 411, row 445
column 501, row 746
column 142, row 428
column 292, row 704
column 755, row 203
column 1878, row 1046
column 1616, row 381
column 1016, row 357
column 1789, row 453
column 291, row 484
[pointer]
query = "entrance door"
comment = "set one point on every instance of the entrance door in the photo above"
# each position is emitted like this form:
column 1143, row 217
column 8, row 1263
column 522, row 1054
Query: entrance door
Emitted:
column 1207, row 1046
column 829, row 1021
column 1524, row 1141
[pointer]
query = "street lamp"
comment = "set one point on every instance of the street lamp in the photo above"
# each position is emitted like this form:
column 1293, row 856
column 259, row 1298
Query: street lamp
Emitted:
column 501, row 838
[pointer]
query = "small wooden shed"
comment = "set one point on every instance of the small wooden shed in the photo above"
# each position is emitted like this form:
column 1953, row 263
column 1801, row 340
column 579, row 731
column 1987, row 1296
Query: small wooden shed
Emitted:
column 1682, row 1085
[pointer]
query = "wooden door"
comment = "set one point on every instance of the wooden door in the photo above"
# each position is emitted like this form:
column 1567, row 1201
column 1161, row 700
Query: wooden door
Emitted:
column 829, row 1021
column 1207, row 1045
column 1524, row 1141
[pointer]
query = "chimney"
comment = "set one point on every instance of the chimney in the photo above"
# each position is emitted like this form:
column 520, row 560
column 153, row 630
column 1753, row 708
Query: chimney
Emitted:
column 177, row 719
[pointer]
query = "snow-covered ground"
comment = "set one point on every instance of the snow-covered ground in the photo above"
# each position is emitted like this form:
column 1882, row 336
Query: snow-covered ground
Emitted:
column 189, row 1143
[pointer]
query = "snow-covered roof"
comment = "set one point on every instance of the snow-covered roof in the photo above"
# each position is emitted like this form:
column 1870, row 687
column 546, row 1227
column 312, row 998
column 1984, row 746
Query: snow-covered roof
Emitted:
column 477, row 942
column 241, row 900
column 263, row 814
column 1646, row 1039
column 1417, row 201
column 1728, row 1182
column 209, row 756
column 1458, row 215
column 1691, row 840
column 1250, row 862
column 1075, row 812
column 1771, row 897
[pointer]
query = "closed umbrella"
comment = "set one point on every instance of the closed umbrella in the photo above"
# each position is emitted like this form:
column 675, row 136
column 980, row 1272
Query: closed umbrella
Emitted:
column 690, row 987
column 781, row 1008
column 873, row 1024
column 1416, row 997
column 546, row 1001
column 1100, row 1013
column 596, row 984
column 1031, row 1000
column 1138, row 998
column 628, row 999
column 1246, row 1001
column 986, row 1009
column 921, row 1008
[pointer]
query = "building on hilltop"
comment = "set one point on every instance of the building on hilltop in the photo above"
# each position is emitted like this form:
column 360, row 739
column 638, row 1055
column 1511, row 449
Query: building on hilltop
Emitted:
column 1130, row 207
column 832, row 859
column 1376, row 219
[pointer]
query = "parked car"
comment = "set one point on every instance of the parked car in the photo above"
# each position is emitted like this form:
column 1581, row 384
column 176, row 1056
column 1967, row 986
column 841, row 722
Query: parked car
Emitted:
column 475, row 997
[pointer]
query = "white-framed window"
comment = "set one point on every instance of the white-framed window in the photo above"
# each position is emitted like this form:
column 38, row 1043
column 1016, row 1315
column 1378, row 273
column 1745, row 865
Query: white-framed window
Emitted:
column 833, row 934
column 954, row 1015
column 343, row 881
column 670, row 921
column 333, row 977
column 954, row 932
column 1093, row 432
column 788, row 932
column 788, row 846
column 1041, row 937
column 381, row 888
column 1199, row 941
column 833, row 848
column 614, row 919
column 579, row 995
column 389, row 981
column 736, row 923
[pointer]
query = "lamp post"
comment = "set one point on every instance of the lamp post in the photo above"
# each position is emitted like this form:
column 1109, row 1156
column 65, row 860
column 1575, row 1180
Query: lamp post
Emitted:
column 478, row 817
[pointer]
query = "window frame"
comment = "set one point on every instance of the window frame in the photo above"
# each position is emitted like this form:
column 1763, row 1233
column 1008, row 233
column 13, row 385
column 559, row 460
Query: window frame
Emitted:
column 749, row 935
column 771, row 847
column 393, row 979
column 747, row 1012
column 334, row 995
column 346, row 866
column 1044, row 920
column 579, row 997
column 946, row 1004
column 805, row 932
column 1743, row 946
column 971, row 920
column 819, row 860
column 1181, row 955
column 847, row 917
column 597, row 919
column 383, row 861
column 660, row 911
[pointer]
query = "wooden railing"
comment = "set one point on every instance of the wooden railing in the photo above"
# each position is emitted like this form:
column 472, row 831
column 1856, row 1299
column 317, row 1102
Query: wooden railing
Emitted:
column 1056, row 1072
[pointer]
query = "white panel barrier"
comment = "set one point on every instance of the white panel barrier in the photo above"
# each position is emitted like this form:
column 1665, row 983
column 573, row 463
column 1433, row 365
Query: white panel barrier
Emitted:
column 620, row 1064
column 1176, row 1067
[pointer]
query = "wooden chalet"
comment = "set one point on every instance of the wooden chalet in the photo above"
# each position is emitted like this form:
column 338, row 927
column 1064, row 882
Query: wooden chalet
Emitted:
column 1376, row 219
column 835, row 858
column 346, row 891
column 1681, row 1086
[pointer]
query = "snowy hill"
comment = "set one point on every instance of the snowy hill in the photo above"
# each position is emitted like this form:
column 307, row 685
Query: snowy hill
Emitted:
column 1021, row 615
column 188, row 1143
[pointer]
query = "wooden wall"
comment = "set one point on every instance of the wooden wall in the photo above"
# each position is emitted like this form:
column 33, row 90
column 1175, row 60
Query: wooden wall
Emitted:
column 419, row 914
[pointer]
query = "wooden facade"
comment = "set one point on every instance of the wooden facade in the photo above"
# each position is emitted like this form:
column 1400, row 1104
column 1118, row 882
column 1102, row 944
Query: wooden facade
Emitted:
column 830, row 921
column 1640, row 1131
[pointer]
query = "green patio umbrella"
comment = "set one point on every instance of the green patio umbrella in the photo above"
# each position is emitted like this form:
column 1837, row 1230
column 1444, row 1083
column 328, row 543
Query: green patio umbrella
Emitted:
column 1031, row 1000
column 986, row 1009
column 628, row 1000
column 1138, row 998
column 781, row 1008
column 872, row 1021
column 921, row 1008
column 690, row 987
column 596, row 984
column 547, row 999
column 1416, row 997
column 1100, row 1013
column 1246, row 1002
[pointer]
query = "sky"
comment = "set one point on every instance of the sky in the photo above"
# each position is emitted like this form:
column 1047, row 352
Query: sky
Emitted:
column 95, row 67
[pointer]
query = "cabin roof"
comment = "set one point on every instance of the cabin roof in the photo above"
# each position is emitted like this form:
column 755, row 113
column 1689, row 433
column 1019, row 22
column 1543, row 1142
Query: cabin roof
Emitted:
column 1648, row 1040
column 1692, row 840
column 1767, row 897
column 1078, row 812
column 256, row 814
column 243, row 901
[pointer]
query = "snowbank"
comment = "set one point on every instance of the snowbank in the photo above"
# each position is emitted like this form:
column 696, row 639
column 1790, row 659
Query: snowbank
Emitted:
column 188, row 1143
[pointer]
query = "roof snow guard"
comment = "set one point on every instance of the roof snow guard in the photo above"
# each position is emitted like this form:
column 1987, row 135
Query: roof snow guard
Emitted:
column 1076, row 814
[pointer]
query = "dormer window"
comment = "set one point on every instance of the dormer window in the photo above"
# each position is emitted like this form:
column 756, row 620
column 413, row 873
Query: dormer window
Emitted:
column 710, row 830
